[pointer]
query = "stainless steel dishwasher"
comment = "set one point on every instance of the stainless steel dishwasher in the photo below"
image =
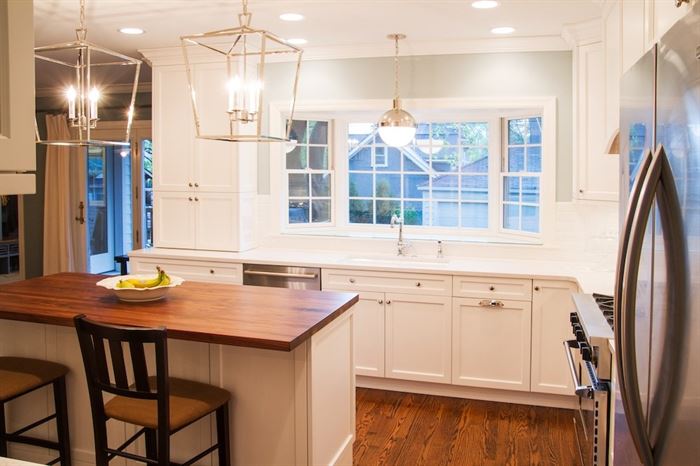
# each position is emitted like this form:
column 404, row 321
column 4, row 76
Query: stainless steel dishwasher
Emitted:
column 282, row 276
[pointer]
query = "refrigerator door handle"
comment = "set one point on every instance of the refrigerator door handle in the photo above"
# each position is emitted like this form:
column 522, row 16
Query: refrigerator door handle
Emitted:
column 658, row 184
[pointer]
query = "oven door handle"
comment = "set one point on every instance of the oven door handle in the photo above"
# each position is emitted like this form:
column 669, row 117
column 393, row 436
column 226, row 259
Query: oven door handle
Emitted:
column 582, row 391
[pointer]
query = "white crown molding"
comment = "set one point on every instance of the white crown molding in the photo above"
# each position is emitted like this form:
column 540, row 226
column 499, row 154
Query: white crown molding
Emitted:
column 173, row 55
column 111, row 89
column 585, row 32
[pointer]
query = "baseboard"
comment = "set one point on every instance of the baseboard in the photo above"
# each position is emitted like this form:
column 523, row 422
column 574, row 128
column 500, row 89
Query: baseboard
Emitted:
column 472, row 393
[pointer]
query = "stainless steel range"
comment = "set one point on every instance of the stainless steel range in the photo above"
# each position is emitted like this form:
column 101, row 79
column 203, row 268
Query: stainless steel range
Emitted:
column 590, row 362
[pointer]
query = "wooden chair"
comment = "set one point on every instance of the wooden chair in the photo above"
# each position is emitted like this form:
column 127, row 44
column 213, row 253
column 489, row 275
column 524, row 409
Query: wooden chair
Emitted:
column 20, row 376
column 159, row 404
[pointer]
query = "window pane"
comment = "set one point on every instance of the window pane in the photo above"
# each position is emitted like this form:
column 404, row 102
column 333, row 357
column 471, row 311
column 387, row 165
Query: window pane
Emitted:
column 361, row 158
column 318, row 132
column 510, row 217
column 448, row 133
column 475, row 215
column 385, row 209
column 413, row 213
column 535, row 131
column 298, row 185
column 299, row 211
column 475, row 134
column 517, row 131
column 388, row 159
column 516, row 159
column 531, row 218
column 445, row 187
column 475, row 188
column 445, row 214
column 298, row 132
column 387, row 186
column 475, row 160
column 321, row 185
column 296, row 159
column 361, row 211
column 511, row 188
column 531, row 189
column 318, row 158
column 446, row 159
column 415, row 162
column 360, row 185
column 415, row 186
column 534, row 159
column 320, row 210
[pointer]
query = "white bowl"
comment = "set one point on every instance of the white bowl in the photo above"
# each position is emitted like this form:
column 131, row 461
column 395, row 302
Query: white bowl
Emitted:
column 138, row 295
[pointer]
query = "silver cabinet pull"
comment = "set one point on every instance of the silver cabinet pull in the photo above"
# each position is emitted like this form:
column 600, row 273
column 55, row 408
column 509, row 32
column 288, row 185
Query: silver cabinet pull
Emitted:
column 306, row 276
column 491, row 303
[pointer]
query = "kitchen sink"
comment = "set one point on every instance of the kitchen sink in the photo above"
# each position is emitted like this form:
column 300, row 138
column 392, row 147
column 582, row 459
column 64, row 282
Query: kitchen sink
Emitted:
column 395, row 259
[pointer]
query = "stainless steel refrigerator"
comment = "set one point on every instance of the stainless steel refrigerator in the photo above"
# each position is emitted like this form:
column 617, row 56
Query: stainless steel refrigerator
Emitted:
column 657, row 309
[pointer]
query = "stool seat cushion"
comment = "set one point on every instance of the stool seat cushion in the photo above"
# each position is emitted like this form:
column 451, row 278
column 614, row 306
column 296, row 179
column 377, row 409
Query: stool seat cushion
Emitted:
column 21, row 375
column 189, row 401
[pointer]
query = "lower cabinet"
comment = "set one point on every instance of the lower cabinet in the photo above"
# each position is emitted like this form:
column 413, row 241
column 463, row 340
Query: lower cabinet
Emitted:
column 369, row 334
column 418, row 337
column 197, row 271
column 491, row 343
column 551, row 306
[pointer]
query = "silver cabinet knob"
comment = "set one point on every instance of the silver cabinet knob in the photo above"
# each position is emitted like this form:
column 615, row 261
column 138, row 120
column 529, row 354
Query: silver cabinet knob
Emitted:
column 492, row 288
column 196, row 199
column 189, row 199
column 537, row 288
column 196, row 185
column 418, row 284
column 352, row 280
column 189, row 184
column 211, row 271
column 388, row 301
column 380, row 301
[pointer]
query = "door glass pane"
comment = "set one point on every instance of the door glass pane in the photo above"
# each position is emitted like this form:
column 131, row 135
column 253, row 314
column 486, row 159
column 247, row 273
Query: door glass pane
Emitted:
column 9, row 236
column 97, row 201
column 147, row 157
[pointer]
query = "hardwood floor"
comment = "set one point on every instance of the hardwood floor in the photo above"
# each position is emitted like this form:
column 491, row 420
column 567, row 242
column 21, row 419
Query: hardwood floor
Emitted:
column 397, row 429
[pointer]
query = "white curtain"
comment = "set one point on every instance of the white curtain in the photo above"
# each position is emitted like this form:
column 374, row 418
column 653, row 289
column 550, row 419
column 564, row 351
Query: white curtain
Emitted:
column 64, row 237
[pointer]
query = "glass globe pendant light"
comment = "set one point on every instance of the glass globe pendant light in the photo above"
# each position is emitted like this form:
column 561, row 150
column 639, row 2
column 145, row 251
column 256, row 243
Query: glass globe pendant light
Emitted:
column 84, row 70
column 397, row 127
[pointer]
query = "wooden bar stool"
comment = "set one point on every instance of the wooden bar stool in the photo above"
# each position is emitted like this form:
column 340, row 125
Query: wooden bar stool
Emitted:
column 159, row 404
column 19, row 376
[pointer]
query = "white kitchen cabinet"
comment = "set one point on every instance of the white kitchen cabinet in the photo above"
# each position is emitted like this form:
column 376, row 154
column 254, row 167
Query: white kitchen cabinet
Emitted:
column 491, row 343
column 208, row 221
column 418, row 337
column 17, row 146
column 551, row 306
column 466, row 286
column 389, row 282
column 195, row 270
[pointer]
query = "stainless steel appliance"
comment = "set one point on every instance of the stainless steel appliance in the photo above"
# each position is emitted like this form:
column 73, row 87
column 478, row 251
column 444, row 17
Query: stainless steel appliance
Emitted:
column 590, row 370
column 282, row 276
column 657, row 291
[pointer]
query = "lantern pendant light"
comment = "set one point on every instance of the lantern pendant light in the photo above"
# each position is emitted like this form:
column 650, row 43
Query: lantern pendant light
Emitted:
column 87, row 68
column 397, row 127
column 226, row 70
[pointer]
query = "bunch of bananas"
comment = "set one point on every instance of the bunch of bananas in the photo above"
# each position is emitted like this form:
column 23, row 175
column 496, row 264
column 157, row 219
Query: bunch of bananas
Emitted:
column 162, row 279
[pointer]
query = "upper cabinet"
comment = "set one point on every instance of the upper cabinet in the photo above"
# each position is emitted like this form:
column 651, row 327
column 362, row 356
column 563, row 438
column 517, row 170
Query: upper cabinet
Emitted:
column 17, row 147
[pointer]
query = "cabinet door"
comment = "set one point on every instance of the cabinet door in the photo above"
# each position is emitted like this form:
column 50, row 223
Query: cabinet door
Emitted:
column 174, row 220
column 217, row 221
column 551, row 305
column 173, row 130
column 369, row 334
column 491, row 344
column 418, row 337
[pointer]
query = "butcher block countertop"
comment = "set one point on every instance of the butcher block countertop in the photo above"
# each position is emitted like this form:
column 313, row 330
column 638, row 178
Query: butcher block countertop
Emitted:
column 259, row 317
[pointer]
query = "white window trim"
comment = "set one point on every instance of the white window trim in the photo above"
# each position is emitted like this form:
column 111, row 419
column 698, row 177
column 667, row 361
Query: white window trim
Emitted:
column 423, row 110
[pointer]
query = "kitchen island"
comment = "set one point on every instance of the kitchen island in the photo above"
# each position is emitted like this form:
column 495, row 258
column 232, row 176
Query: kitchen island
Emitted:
column 286, row 356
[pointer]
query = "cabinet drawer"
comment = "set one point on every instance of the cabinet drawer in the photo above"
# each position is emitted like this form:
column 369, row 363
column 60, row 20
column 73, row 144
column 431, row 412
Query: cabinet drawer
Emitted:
column 192, row 270
column 497, row 288
column 387, row 282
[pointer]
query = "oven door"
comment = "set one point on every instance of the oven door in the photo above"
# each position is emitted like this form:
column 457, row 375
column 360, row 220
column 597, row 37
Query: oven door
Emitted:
column 591, row 418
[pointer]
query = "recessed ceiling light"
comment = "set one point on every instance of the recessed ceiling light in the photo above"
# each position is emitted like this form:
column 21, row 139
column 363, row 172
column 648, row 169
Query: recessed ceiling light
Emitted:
column 291, row 17
column 485, row 4
column 503, row 30
column 131, row 31
column 297, row 41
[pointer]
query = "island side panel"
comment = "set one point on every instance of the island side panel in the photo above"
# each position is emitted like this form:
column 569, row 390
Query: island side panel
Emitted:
column 331, row 376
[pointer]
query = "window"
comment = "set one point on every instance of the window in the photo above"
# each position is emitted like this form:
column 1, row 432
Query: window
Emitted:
column 309, row 173
column 522, row 166
column 440, row 180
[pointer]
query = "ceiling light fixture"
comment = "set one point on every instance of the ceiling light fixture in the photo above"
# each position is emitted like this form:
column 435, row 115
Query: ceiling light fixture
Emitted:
column 130, row 31
column 397, row 127
column 291, row 17
column 86, row 66
column 484, row 4
column 238, row 56
column 297, row 41
column 503, row 30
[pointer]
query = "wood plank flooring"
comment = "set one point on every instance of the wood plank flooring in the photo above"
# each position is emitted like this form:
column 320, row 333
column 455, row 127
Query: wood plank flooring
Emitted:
column 397, row 429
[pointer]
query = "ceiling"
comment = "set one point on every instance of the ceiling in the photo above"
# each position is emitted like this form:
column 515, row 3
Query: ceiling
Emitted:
column 328, row 24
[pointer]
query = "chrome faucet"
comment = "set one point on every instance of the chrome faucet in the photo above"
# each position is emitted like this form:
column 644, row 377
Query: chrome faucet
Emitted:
column 439, row 250
column 401, row 245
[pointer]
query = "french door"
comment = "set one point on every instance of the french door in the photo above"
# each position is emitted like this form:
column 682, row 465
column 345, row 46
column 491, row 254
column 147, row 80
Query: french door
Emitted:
column 99, row 209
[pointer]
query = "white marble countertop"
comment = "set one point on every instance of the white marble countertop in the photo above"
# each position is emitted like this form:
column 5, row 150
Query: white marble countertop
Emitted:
column 591, row 278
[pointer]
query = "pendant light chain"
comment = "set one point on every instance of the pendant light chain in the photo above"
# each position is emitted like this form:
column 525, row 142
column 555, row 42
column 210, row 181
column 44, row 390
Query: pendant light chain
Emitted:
column 396, row 67
column 245, row 6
